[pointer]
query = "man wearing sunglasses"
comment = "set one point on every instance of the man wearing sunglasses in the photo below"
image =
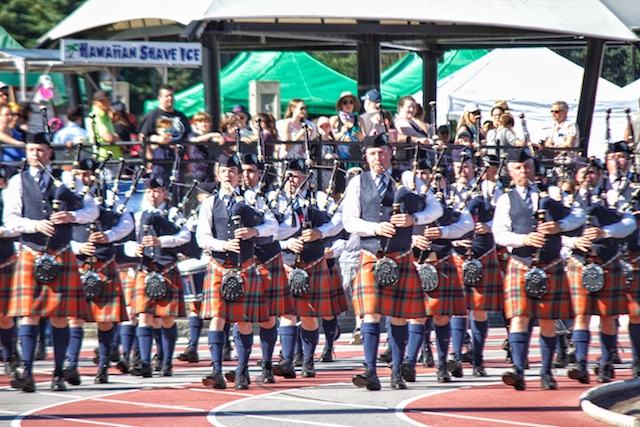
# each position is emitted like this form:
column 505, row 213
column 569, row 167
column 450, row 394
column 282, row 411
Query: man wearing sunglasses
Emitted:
column 565, row 133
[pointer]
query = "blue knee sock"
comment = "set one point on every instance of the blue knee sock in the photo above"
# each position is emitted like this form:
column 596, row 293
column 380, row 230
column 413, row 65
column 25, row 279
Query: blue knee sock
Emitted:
column 298, row 348
column 157, row 335
column 217, row 340
column 479, row 331
column 519, row 342
column 268, row 339
column 608, row 346
column 370, row 340
column 634, row 336
column 309, row 343
column 288, row 338
column 443, row 335
column 195, row 327
column 398, row 345
column 169, row 338
column 581, row 338
column 28, row 338
column 243, row 348
column 329, row 327
column 60, row 343
column 547, row 349
column 127, row 335
column 414, row 343
column 105, row 341
column 458, row 331
column 145, row 342
column 76, row 336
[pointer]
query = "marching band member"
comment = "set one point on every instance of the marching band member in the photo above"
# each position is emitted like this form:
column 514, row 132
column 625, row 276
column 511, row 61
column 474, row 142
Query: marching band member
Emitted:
column 368, row 212
column 45, row 230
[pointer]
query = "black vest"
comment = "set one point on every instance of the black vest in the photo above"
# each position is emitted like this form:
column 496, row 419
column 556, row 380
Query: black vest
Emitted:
column 480, row 243
column 605, row 249
column 377, row 209
column 223, row 229
column 37, row 206
column 312, row 251
column 158, row 226
column 107, row 220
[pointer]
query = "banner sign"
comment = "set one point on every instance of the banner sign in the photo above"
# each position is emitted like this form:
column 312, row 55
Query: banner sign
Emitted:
column 131, row 53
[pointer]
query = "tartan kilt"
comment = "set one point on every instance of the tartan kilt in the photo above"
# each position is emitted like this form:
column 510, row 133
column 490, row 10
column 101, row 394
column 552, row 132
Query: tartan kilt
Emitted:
column 109, row 307
column 276, row 289
column 251, row 308
column 337, row 290
column 128, row 280
column 633, row 292
column 172, row 305
column 322, row 300
column 6, row 276
column 448, row 298
column 488, row 295
column 609, row 301
column 405, row 300
column 64, row 297
column 556, row 304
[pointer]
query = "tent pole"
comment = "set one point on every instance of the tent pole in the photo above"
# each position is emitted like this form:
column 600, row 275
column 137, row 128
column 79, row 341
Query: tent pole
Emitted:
column 368, row 52
column 73, row 89
column 22, row 69
column 429, row 80
column 211, row 76
column 592, row 69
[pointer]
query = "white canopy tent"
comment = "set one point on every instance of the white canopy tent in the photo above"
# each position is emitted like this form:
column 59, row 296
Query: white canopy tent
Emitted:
column 530, row 80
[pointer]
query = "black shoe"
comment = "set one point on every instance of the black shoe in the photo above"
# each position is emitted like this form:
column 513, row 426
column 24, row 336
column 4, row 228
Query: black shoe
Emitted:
column 41, row 350
column 114, row 357
column 615, row 358
column 297, row 360
column 190, row 355
column 580, row 374
column 427, row 356
column 267, row 373
column 408, row 371
column 215, row 380
column 103, row 375
column 397, row 383
column 167, row 368
column 284, row 369
column 386, row 356
column 443, row 375
column 25, row 382
column 157, row 362
column 562, row 360
column 514, row 379
column 327, row 355
column 467, row 356
column 635, row 368
column 606, row 373
column 548, row 382
column 11, row 367
column 123, row 366
column 455, row 367
column 72, row 376
column 230, row 376
column 368, row 379
column 226, row 352
column 136, row 360
column 308, row 369
column 479, row 371
column 58, row 384
column 241, row 382
column 144, row 370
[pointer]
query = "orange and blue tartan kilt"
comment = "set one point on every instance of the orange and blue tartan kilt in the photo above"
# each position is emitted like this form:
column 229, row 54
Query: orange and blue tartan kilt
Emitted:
column 251, row 308
column 276, row 287
column 556, row 304
column 405, row 300
column 488, row 295
column 322, row 299
column 448, row 298
column 609, row 301
column 633, row 291
column 110, row 306
column 128, row 280
column 337, row 290
column 64, row 297
column 172, row 305
column 6, row 277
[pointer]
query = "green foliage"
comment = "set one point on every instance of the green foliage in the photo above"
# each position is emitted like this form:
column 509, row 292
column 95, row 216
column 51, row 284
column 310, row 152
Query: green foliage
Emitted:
column 618, row 66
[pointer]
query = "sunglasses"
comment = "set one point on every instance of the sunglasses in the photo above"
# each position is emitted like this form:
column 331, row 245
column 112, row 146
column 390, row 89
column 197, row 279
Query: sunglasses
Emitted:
column 476, row 113
column 348, row 102
column 303, row 108
column 555, row 111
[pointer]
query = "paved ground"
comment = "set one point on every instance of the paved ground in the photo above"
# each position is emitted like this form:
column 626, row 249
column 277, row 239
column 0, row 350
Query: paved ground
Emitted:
column 330, row 399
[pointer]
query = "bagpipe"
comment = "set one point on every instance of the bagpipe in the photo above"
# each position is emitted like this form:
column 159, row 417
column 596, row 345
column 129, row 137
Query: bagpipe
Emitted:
column 92, row 281
column 46, row 268
column 232, row 285
column 67, row 199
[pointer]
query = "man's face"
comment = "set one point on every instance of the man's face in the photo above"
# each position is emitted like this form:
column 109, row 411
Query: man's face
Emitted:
column 521, row 172
column 251, row 175
column 156, row 196
column 590, row 175
column 228, row 176
column 617, row 162
column 83, row 175
column 559, row 115
column 242, row 117
column 296, row 180
column 4, row 95
column 378, row 158
column 38, row 152
column 423, row 174
column 165, row 97
column 203, row 126
column 465, row 171
column 103, row 104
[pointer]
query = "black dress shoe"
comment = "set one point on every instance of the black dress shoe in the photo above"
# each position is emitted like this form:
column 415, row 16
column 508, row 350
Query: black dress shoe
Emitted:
column 397, row 382
column 606, row 373
column 267, row 373
column 548, row 382
column 455, row 367
column 167, row 368
column 157, row 362
column 72, row 376
column 115, row 355
column 467, row 356
column 297, row 360
column 580, row 374
column 562, row 360
column 327, row 355
column 25, row 382
column 241, row 382
column 443, row 375
column 479, row 371
column 190, row 355
column 368, row 379
column 408, row 372
column 11, row 367
column 215, row 380
column 103, row 375
column 284, row 369
column 144, row 370
column 226, row 352
column 58, row 384
column 514, row 379
column 427, row 356
column 308, row 369
column 635, row 368
column 123, row 366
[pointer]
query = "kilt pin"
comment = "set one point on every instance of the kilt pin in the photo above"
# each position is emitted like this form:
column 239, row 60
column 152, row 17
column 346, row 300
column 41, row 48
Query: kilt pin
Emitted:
column 609, row 301
column 448, row 299
column 110, row 306
column 321, row 301
column 171, row 305
column 251, row 308
column 64, row 297
column 489, row 294
column 556, row 304
column 405, row 300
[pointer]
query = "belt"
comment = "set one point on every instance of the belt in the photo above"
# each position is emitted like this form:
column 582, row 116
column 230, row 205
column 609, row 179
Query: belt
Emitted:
column 99, row 270
column 392, row 256
column 545, row 268
column 38, row 253
column 9, row 261
column 220, row 269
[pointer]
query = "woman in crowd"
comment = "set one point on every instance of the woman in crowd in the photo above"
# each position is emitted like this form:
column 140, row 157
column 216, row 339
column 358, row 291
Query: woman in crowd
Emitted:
column 292, row 129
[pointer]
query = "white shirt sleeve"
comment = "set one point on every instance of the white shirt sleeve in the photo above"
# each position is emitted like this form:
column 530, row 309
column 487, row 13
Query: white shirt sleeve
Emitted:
column 204, row 233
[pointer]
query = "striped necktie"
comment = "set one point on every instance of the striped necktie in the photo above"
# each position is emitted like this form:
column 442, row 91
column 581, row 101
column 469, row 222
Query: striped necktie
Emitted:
column 527, row 199
column 380, row 184
column 42, row 182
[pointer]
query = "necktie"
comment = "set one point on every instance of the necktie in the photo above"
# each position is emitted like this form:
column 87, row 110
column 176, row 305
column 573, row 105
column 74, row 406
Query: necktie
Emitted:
column 227, row 202
column 381, row 185
column 527, row 199
column 42, row 183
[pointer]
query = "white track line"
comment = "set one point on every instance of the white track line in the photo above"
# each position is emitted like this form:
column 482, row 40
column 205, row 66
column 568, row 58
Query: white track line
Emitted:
column 287, row 420
column 149, row 405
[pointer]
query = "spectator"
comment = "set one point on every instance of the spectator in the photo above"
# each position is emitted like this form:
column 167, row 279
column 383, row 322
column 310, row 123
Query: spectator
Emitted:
column 10, row 136
column 347, row 126
column 408, row 129
column 106, row 132
column 372, row 103
column 240, row 111
column 496, row 112
column 470, row 117
column 419, row 116
column 269, row 132
column 293, row 130
column 4, row 93
column 164, row 152
column 632, row 131
column 565, row 133
column 202, row 123
column 22, row 111
column 72, row 133
column 444, row 135
column 503, row 136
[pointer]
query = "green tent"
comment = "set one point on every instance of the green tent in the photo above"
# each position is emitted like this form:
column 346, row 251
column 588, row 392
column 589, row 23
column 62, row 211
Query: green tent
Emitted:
column 404, row 77
column 299, row 74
